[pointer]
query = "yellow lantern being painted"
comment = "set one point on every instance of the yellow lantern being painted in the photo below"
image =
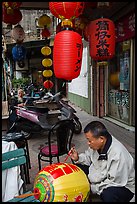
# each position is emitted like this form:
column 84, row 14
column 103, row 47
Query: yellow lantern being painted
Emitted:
column 46, row 50
column 59, row 183
column 47, row 62
column 47, row 73
column 44, row 20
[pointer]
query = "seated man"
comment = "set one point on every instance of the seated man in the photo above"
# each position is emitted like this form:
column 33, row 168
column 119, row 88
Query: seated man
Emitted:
column 108, row 165
column 20, row 102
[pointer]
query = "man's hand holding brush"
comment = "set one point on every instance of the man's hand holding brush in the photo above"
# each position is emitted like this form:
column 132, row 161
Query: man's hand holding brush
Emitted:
column 73, row 154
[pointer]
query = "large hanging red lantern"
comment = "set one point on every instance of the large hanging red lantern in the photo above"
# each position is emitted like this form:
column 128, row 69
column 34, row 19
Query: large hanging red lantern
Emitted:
column 67, row 54
column 102, row 39
column 66, row 10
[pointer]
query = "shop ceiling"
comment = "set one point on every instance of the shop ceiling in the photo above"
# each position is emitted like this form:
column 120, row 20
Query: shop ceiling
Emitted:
column 116, row 9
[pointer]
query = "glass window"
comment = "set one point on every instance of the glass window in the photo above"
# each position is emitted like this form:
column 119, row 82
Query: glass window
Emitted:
column 119, row 81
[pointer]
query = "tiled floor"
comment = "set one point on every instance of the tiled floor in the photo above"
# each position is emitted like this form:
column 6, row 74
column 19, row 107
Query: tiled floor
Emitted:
column 37, row 140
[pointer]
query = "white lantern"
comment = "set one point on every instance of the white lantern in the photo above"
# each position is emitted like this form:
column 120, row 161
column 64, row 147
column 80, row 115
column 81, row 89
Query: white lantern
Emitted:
column 18, row 34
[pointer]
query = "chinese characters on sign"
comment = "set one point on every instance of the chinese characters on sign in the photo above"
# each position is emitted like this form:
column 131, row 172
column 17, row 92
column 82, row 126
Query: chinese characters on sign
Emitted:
column 119, row 98
column 78, row 63
column 102, row 35
column 102, row 39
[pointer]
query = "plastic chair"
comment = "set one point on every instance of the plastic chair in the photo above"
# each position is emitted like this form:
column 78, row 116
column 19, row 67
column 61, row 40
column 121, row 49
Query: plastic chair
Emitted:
column 62, row 132
column 15, row 158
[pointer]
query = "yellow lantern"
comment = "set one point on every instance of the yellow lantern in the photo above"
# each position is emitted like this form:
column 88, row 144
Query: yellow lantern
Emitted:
column 47, row 62
column 44, row 20
column 47, row 73
column 46, row 50
column 59, row 183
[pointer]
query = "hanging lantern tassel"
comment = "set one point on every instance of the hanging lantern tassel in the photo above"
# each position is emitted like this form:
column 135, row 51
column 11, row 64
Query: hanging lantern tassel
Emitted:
column 102, row 39
column 67, row 54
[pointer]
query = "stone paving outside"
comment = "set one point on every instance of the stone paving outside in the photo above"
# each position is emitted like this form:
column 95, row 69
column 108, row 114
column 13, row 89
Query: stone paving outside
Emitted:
column 127, row 137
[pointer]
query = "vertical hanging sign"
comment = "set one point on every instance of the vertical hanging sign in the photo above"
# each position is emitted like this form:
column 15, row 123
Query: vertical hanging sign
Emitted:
column 102, row 39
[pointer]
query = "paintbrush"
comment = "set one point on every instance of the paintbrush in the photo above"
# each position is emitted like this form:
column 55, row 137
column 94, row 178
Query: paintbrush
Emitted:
column 68, row 154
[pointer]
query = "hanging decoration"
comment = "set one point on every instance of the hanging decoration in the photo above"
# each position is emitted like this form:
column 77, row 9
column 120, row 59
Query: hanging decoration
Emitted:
column 57, row 183
column 66, row 64
column 11, row 13
column 46, row 50
column 18, row 34
column 48, row 84
column 67, row 54
column 44, row 22
column 66, row 11
column 18, row 52
column 13, row 17
column 45, row 33
column 47, row 73
column 102, row 39
column 47, row 62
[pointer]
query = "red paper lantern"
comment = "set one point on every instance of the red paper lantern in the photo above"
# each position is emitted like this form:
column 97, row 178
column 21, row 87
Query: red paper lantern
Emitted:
column 66, row 10
column 67, row 54
column 102, row 39
column 48, row 84
column 45, row 33
column 12, row 18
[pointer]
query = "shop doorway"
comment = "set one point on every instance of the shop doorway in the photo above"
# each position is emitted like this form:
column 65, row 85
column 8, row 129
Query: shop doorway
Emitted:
column 101, row 88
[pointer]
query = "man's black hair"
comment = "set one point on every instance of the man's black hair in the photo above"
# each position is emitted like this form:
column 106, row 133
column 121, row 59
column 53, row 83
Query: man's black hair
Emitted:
column 97, row 128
